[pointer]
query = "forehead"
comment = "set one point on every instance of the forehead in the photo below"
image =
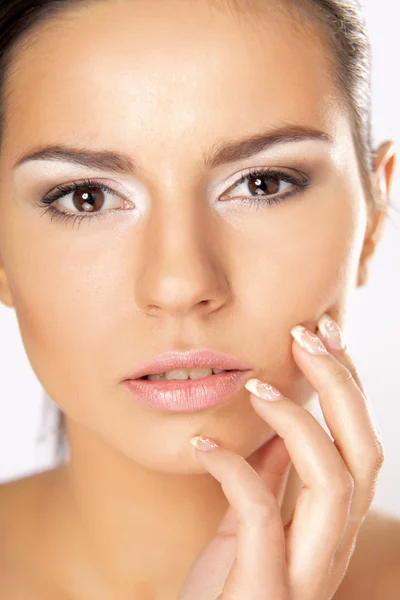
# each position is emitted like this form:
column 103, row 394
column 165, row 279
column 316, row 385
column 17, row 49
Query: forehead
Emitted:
column 131, row 73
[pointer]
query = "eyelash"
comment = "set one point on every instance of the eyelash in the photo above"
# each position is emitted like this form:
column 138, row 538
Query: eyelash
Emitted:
column 257, row 203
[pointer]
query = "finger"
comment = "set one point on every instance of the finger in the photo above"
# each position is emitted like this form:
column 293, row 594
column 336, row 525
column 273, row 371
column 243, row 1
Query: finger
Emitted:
column 347, row 415
column 322, row 507
column 331, row 335
column 259, row 568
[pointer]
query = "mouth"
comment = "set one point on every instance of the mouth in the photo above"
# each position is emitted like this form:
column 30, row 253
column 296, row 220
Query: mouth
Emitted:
column 186, row 394
column 197, row 364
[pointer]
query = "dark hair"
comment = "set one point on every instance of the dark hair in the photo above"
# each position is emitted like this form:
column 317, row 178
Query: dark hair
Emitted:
column 341, row 23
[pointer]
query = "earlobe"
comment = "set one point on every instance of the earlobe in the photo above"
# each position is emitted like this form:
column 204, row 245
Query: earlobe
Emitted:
column 6, row 299
column 5, row 292
column 381, row 180
column 376, row 221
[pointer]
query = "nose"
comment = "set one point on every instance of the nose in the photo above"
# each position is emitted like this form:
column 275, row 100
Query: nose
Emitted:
column 182, row 268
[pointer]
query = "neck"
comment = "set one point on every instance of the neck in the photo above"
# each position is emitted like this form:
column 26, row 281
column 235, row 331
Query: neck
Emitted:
column 122, row 524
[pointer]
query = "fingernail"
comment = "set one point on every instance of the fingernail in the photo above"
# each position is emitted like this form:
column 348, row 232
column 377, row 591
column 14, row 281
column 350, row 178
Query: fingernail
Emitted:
column 308, row 340
column 331, row 332
column 262, row 390
column 203, row 443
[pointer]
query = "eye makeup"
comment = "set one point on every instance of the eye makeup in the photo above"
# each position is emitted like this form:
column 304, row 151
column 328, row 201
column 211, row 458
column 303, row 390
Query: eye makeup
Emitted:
column 259, row 201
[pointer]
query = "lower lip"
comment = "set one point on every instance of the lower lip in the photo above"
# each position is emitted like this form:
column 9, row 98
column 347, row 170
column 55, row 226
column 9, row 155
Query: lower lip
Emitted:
column 190, row 395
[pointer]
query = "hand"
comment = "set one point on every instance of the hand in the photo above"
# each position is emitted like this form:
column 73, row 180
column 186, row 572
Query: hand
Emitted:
column 253, row 556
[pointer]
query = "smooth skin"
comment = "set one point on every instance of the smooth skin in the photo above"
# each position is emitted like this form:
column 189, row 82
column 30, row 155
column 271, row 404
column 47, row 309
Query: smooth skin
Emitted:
column 177, row 263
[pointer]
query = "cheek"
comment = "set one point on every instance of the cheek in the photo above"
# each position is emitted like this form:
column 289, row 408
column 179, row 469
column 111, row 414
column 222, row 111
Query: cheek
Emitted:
column 300, row 264
column 301, row 257
column 63, row 302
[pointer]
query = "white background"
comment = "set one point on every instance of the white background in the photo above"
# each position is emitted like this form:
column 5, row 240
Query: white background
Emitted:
column 373, row 323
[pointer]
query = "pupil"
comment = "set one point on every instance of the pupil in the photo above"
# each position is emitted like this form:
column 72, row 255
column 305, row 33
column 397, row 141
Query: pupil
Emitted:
column 258, row 184
column 87, row 200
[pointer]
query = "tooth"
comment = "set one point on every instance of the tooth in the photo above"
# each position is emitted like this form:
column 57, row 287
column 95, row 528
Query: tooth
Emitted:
column 177, row 374
column 198, row 373
column 184, row 374
column 156, row 376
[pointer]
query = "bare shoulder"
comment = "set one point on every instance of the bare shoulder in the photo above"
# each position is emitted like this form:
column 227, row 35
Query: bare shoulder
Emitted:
column 374, row 569
column 19, row 496
column 21, row 501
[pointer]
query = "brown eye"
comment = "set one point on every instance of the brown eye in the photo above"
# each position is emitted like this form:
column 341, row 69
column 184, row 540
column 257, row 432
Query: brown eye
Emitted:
column 262, row 185
column 88, row 199
column 83, row 197
column 83, row 200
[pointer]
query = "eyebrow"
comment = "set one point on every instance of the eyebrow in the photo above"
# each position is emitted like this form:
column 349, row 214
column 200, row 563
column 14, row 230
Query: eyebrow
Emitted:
column 219, row 154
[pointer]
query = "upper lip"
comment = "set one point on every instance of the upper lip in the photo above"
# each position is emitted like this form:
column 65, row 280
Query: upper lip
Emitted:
column 169, row 361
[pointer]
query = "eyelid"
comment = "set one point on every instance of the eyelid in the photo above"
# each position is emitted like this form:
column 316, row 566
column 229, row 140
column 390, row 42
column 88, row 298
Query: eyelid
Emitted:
column 63, row 190
column 109, row 183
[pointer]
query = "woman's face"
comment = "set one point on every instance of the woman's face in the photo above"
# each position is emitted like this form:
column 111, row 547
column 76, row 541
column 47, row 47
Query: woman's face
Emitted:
column 165, row 84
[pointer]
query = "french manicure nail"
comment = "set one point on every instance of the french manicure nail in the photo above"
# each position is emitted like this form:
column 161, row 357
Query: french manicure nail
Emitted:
column 308, row 340
column 203, row 443
column 332, row 332
column 262, row 390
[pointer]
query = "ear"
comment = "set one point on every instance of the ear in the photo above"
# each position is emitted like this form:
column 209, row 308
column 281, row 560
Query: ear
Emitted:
column 5, row 292
column 381, row 180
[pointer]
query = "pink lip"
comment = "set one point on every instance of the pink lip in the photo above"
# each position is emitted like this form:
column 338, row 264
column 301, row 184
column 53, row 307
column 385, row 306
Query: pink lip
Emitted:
column 169, row 361
column 189, row 395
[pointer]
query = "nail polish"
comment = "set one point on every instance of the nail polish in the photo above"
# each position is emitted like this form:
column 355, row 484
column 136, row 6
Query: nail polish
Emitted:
column 332, row 332
column 308, row 340
column 262, row 390
column 203, row 443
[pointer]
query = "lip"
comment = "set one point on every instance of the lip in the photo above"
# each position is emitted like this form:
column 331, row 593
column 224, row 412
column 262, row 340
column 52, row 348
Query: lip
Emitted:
column 169, row 361
column 190, row 395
